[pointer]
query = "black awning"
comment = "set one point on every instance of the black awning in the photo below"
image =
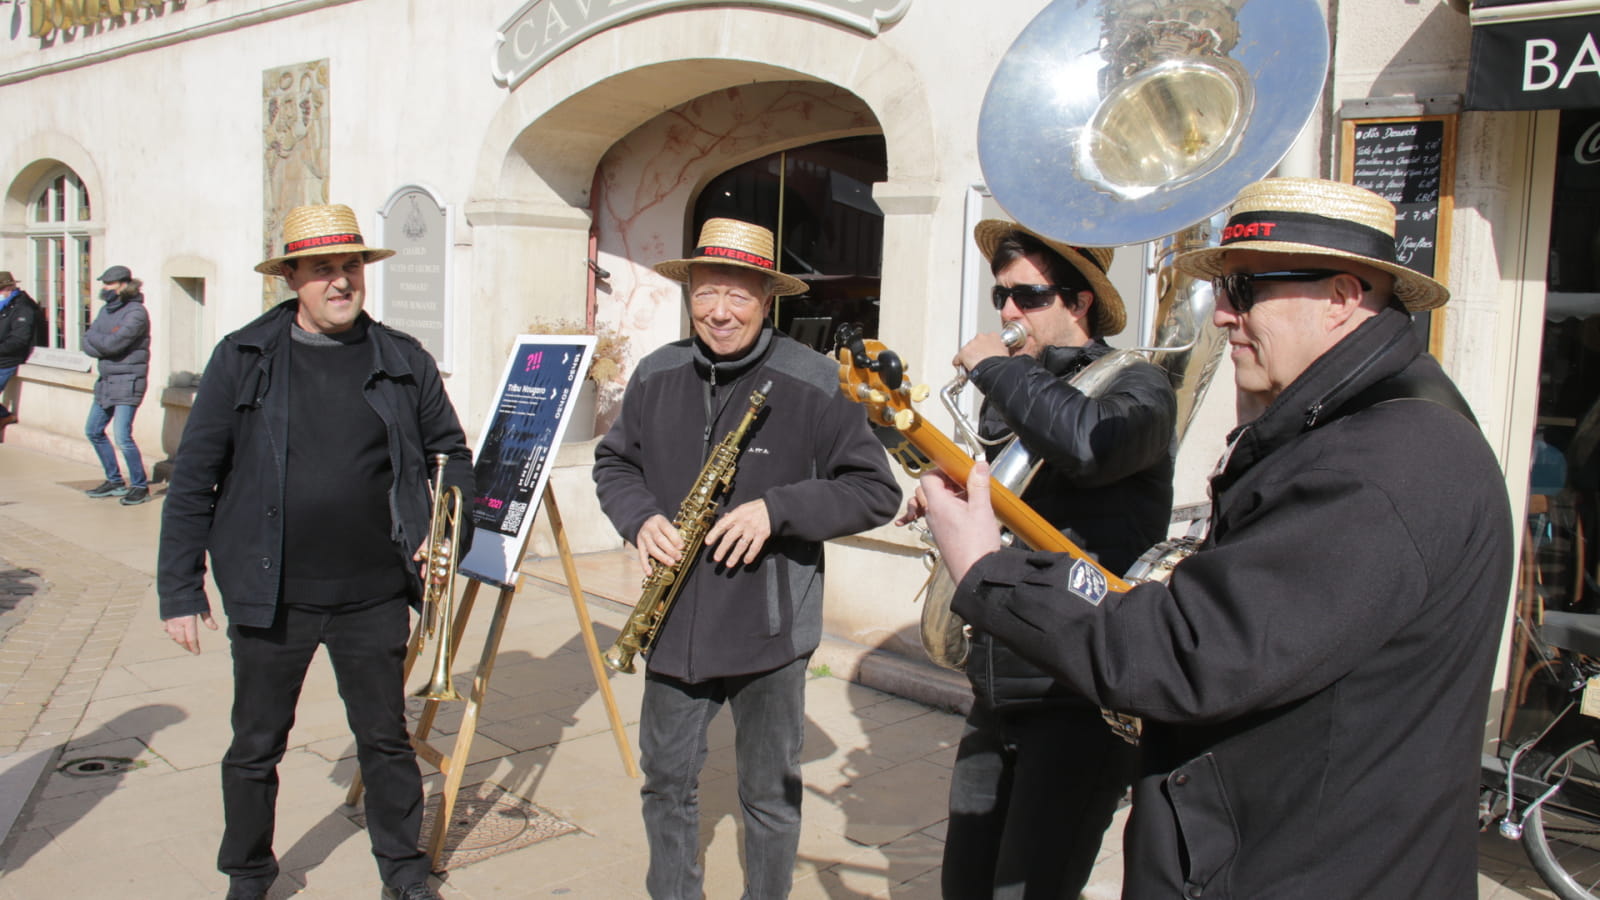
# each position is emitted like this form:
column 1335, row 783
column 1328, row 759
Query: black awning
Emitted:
column 1538, row 61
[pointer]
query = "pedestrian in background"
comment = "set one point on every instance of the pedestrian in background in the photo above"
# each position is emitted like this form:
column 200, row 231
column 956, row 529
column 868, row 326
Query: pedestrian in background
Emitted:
column 120, row 338
column 19, row 316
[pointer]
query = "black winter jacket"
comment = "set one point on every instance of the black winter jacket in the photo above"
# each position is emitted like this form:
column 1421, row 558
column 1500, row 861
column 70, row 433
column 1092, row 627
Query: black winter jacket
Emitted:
column 810, row 456
column 1314, row 681
column 1106, row 481
column 120, row 338
column 17, row 329
column 227, row 491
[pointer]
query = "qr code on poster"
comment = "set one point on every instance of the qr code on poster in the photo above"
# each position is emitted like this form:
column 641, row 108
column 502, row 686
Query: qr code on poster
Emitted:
column 515, row 510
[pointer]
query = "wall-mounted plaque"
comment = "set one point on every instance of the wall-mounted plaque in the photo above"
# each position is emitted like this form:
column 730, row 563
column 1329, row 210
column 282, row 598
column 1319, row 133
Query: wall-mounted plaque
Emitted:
column 413, row 289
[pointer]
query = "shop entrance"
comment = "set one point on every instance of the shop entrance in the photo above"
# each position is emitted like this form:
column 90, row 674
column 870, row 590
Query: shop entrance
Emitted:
column 1559, row 566
column 1565, row 480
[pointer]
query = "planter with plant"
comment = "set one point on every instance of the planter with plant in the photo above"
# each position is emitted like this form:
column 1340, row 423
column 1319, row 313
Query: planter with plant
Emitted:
column 602, row 388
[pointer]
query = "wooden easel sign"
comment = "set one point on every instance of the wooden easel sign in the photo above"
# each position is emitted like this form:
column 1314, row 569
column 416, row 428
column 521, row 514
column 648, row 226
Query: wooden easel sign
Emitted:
column 511, row 463
column 512, row 470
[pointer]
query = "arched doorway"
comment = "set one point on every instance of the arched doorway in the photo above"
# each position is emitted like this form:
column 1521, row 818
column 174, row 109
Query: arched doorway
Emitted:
column 814, row 149
column 817, row 198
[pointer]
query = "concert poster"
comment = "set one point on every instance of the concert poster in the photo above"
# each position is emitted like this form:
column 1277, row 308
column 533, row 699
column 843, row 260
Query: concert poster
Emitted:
column 511, row 462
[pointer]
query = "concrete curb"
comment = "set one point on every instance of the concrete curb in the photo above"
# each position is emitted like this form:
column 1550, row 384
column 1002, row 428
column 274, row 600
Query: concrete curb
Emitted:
column 891, row 673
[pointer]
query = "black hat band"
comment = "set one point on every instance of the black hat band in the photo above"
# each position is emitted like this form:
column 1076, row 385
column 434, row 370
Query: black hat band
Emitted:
column 1342, row 235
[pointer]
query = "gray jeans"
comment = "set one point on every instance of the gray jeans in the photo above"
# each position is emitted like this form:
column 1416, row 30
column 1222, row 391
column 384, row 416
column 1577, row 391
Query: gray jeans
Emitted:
column 769, row 728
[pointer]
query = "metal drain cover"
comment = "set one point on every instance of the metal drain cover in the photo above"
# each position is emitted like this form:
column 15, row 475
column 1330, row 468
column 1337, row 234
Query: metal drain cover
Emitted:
column 91, row 766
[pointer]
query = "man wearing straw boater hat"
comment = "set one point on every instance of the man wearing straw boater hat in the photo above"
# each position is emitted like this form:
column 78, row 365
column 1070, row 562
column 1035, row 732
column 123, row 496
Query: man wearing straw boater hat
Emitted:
column 1038, row 774
column 1314, row 680
column 749, row 613
column 304, row 471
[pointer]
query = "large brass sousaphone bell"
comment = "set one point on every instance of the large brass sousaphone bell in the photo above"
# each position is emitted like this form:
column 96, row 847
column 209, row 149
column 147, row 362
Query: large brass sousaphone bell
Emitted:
column 1123, row 121
column 1113, row 122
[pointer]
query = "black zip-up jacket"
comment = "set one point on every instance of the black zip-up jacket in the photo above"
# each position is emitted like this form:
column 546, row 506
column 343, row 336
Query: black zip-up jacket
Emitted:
column 1105, row 482
column 810, row 456
column 227, row 490
column 1314, row 680
column 17, row 329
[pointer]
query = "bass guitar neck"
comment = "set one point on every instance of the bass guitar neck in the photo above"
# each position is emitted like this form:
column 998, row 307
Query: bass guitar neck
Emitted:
column 866, row 371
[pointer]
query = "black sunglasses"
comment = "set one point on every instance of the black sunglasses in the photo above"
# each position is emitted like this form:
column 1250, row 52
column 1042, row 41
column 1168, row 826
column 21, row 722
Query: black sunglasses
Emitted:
column 1031, row 296
column 1240, row 288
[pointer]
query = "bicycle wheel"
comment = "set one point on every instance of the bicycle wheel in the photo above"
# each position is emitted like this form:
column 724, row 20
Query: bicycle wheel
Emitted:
column 1562, row 836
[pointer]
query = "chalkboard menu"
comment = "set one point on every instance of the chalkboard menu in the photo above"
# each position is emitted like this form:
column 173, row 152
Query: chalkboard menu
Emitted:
column 1410, row 161
column 1403, row 162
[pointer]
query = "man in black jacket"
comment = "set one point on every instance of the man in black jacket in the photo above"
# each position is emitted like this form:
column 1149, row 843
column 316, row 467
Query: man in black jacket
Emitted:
column 1038, row 774
column 304, row 472
column 749, row 613
column 19, row 317
column 1314, row 680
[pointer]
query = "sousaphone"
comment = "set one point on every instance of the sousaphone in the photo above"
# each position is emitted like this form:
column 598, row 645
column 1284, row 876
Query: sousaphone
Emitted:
column 1114, row 122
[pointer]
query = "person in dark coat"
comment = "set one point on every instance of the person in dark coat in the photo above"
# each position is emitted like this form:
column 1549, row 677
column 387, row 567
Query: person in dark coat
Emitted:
column 19, row 317
column 1038, row 774
column 119, row 337
column 1314, row 680
column 749, row 613
column 304, row 472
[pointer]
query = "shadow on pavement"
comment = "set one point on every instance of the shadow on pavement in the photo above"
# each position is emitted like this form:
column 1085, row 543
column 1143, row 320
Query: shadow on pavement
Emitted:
column 90, row 768
column 16, row 586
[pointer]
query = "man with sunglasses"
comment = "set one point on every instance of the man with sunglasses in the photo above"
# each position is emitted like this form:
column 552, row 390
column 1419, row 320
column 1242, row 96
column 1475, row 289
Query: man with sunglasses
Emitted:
column 1039, row 774
column 1314, row 679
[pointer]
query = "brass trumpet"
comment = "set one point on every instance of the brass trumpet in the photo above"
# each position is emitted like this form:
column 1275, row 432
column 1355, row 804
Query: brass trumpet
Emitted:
column 439, row 586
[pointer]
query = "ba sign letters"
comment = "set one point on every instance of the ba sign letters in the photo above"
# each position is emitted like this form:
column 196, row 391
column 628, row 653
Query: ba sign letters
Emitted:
column 1537, row 64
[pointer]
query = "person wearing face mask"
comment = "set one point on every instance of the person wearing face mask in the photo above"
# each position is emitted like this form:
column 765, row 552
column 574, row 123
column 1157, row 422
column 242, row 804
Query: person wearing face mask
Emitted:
column 1313, row 680
column 119, row 337
column 304, row 474
column 749, row 613
column 1038, row 774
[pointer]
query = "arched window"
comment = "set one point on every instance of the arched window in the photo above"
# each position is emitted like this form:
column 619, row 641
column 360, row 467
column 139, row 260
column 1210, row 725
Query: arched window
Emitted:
column 60, row 220
column 818, row 199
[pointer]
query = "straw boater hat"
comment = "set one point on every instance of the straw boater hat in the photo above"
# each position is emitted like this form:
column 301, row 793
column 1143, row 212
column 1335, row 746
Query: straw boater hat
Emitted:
column 730, row 242
column 316, row 230
column 1312, row 215
column 1091, row 262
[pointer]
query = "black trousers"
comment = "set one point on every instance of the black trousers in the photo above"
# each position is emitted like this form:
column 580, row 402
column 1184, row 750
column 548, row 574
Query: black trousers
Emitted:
column 1031, row 794
column 367, row 648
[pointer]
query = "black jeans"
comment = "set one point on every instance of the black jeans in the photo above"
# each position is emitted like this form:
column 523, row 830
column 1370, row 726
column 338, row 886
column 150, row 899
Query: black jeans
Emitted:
column 769, row 728
column 1031, row 794
column 367, row 648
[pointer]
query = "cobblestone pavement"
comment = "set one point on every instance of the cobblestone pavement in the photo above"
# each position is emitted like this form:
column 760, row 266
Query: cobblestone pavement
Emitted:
column 52, row 654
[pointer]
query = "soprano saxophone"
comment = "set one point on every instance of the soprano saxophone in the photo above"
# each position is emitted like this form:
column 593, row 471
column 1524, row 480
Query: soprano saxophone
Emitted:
column 694, row 520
